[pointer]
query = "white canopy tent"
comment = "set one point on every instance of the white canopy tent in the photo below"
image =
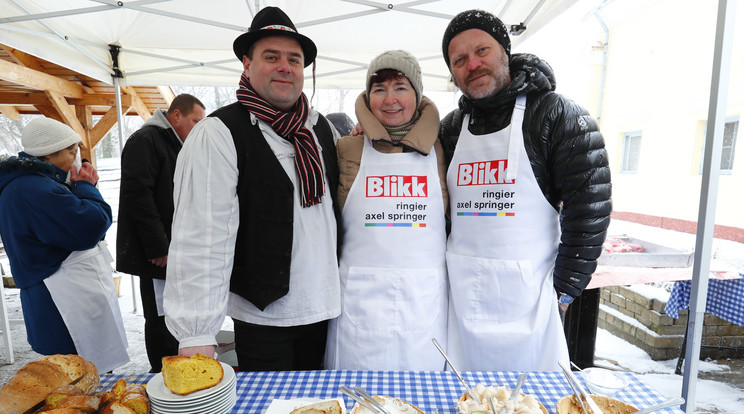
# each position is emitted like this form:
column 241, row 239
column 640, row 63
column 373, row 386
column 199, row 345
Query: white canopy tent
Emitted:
column 189, row 42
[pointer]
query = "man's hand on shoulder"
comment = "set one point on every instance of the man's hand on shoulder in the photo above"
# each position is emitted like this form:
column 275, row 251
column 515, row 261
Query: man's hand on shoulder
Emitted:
column 357, row 130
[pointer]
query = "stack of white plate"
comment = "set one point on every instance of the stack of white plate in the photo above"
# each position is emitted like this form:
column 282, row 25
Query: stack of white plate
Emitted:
column 215, row 400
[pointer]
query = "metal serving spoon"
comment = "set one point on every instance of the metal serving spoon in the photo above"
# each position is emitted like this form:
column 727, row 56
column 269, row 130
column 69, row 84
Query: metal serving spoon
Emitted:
column 515, row 391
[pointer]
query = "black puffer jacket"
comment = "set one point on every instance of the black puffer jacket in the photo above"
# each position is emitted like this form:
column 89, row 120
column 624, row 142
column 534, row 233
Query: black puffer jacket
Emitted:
column 148, row 162
column 567, row 155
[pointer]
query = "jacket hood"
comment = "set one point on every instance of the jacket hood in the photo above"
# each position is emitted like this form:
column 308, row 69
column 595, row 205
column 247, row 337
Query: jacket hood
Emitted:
column 420, row 138
column 23, row 164
column 529, row 74
column 159, row 120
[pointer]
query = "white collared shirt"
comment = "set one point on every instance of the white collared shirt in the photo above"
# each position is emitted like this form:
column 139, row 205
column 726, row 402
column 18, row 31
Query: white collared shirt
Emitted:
column 205, row 226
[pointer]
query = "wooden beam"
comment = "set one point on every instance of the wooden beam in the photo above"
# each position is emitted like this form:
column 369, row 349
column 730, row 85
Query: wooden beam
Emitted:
column 50, row 112
column 32, row 62
column 167, row 94
column 11, row 112
column 104, row 125
column 66, row 112
column 99, row 100
column 138, row 104
column 85, row 118
column 34, row 98
column 21, row 75
column 40, row 98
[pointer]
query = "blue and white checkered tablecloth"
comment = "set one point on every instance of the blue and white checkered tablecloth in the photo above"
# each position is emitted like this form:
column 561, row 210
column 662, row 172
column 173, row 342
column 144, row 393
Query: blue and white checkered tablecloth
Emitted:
column 430, row 391
column 725, row 299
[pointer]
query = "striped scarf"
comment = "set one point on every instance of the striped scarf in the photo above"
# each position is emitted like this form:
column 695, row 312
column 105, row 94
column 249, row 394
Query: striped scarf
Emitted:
column 290, row 126
column 397, row 133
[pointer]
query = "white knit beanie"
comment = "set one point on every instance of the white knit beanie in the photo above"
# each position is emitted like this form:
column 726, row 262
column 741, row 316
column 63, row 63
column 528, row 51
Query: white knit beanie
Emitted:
column 401, row 61
column 44, row 136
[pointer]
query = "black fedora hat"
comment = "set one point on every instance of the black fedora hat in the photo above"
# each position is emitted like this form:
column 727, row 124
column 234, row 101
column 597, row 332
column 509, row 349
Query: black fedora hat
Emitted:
column 272, row 21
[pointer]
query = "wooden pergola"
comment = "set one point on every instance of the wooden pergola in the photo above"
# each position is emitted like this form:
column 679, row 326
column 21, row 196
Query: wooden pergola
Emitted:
column 30, row 85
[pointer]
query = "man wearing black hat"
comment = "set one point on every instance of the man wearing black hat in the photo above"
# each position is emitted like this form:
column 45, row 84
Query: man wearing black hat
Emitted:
column 529, row 185
column 254, row 231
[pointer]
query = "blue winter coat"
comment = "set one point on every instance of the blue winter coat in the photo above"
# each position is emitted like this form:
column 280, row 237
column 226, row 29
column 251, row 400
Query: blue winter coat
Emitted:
column 42, row 221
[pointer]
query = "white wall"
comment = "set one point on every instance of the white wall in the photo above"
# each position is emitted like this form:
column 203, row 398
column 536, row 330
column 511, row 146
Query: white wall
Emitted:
column 659, row 68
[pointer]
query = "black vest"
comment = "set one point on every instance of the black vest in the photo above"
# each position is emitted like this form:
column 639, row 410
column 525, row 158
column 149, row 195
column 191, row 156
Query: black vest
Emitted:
column 263, row 250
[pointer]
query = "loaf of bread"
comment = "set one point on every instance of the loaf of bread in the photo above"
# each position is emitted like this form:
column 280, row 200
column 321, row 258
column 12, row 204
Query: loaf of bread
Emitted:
column 118, row 388
column 60, row 394
column 138, row 403
column 30, row 385
column 323, row 407
column 126, row 399
column 133, row 389
column 75, row 366
column 116, row 408
column 85, row 403
column 183, row 375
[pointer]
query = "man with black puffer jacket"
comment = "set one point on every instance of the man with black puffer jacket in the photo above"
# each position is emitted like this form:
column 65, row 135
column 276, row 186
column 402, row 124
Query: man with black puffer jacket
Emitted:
column 529, row 183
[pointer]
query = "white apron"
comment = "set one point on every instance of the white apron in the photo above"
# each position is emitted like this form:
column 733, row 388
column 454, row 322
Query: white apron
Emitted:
column 392, row 268
column 83, row 291
column 500, row 257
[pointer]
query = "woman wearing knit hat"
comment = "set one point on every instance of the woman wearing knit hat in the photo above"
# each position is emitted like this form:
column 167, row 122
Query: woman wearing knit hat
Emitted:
column 393, row 196
column 52, row 232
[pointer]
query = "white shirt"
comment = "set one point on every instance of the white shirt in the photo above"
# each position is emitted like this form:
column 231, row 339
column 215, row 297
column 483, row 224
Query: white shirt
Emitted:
column 205, row 226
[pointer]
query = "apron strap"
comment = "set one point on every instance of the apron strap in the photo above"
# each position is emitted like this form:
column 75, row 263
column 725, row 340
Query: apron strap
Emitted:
column 515, row 135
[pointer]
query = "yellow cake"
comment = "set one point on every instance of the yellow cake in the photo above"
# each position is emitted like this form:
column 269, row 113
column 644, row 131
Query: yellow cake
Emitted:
column 183, row 375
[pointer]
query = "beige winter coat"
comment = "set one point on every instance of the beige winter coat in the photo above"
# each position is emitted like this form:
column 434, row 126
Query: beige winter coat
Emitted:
column 421, row 138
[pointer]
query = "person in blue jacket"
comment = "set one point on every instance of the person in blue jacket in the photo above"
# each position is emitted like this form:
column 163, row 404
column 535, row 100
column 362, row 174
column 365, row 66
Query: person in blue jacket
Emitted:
column 52, row 232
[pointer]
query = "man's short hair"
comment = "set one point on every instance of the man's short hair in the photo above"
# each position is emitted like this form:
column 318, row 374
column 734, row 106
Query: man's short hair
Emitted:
column 184, row 103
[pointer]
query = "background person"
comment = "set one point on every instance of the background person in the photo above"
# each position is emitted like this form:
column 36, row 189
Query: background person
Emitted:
column 148, row 161
column 254, row 230
column 393, row 274
column 341, row 122
column 53, row 235
column 519, row 155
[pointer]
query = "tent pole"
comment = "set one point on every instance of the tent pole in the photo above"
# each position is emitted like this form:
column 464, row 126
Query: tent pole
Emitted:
column 120, row 127
column 114, row 50
column 708, row 195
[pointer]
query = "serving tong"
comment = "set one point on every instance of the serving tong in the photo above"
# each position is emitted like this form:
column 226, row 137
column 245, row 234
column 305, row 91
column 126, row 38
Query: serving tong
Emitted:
column 364, row 399
column 576, row 393
column 574, row 382
column 457, row 373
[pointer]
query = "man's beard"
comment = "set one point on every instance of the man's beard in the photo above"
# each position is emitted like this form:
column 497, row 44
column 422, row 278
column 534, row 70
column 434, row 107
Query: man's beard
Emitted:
column 497, row 81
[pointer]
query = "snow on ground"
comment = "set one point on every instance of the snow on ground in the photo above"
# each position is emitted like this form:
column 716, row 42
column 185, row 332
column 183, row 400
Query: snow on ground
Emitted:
column 711, row 396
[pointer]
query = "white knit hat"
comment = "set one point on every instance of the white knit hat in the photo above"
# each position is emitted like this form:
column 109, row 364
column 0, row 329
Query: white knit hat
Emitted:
column 44, row 136
column 401, row 61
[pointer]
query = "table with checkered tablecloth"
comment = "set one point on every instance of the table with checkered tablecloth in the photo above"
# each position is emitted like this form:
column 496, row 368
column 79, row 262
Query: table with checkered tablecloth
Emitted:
column 725, row 299
column 432, row 392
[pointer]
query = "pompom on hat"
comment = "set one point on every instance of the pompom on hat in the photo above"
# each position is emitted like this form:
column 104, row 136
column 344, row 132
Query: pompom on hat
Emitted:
column 476, row 19
column 44, row 136
column 401, row 61
column 272, row 21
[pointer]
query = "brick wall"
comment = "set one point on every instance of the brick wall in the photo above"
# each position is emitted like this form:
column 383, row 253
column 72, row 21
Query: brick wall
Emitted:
column 642, row 322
